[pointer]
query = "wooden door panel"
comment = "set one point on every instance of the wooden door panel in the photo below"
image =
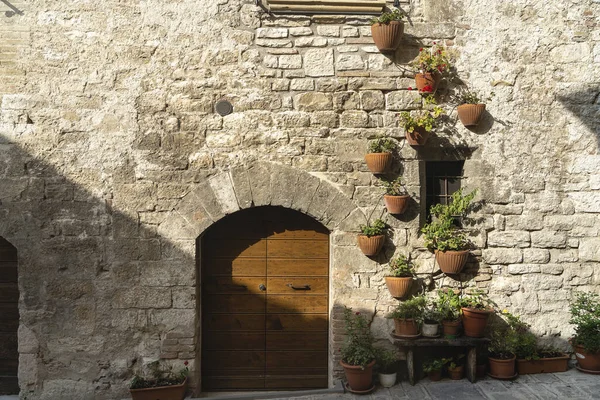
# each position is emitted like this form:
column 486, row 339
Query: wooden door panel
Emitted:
column 233, row 248
column 297, row 322
column 9, row 293
column 235, row 267
column 233, row 322
column 235, row 341
column 8, row 367
column 284, row 285
column 296, row 382
column 8, row 272
column 233, row 285
column 234, row 303
column 219, row 359
column 297, row 341
column 297, row 249
column 294, row 359
column 233, row 382
column 296, row 304
column 287, row 267
column 298, row 233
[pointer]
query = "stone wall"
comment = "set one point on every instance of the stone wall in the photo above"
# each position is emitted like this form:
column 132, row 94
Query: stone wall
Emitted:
column 113, row 162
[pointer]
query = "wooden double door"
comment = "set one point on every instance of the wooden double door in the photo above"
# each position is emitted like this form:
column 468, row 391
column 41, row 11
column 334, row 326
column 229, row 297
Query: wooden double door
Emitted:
column 264, row 311
column 9, row 319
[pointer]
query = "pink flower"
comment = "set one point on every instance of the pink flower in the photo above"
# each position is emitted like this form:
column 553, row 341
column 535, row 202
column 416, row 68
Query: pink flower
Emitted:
column 410, row 88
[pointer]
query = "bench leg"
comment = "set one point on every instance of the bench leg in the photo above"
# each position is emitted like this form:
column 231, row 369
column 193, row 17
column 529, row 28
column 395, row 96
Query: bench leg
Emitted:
column 472, row 364
column 410, row 364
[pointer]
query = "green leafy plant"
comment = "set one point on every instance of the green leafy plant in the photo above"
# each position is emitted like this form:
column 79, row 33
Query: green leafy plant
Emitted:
column 395, row 187
column 410, row 309
column 160, row 375
column 422, row 119
column 434, row 59
column 402, row 267
column 358, row 347
column 442, row 233
column 378, row 227
column 432, row 315
column 383, row 145
column 386, row 360
column 448, row 305
column 585, row 315
column 506, row 330
column 477, row 300
column 436, row 364
column 471, row 97
column 456, row 361
column 387, row 17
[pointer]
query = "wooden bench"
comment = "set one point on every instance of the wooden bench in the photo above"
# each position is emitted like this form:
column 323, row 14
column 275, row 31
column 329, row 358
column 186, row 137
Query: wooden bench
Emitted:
column 409, row 346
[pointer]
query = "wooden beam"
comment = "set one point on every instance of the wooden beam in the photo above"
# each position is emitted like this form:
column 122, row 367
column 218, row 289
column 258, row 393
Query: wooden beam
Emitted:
column 356, row 6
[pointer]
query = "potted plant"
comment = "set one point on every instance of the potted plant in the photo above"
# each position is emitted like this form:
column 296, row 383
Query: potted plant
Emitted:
column 372, row 237
column 448, row 305
column 431, row 322
column 386, row 364
column 162, row 384
column 379, row 155
column 444, row 237
column 585, row 315
column 431, row 64
column 476, row 309
column 358, row 353
column 434, row 367
column 503, row 342
column 419, row 124
column 396, row 196
column 401, row 279
column 534, row 359
column 470, row 108
column 407, row 316
column 456, row 368
column 387, row 30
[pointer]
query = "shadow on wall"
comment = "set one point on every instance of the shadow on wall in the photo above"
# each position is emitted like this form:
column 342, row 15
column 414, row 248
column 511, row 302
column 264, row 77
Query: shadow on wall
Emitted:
column 585, row 105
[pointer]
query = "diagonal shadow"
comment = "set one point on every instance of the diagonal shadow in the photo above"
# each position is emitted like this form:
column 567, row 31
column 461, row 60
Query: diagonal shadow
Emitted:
column 14, row 9
column 585, row 105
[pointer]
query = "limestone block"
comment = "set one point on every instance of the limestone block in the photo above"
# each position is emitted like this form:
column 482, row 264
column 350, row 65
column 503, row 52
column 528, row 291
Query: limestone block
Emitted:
column 378, row 62
column 354, row 119
column 570, row 53
column 371, row 99
column 321, row 200
column 311, row 42
column 535, row 282
column 301, row 31
column 270, row 61
column 552, row 269
column 328, row 119
column 184, row 297
column 399, row 100
column 328, row 30
column 350, row 31
column 173, row 319
column 259, row 176
column 290, row 61
column 241, row 185
column 589, row 249
column 283, row 184
column 528, row 221
column 67, row 389
column 520, row 269
column 306, row 187
column 347, row 62
column 168, row 273
column 302, row 84
column 430, row 30
column 271, row 33
column 347, row 49
column 346, row 101
column 28, row 369
column 537, row 256
column 548, row 239
column 586, row 202
column 313, row 101
column 318, row 62
column 330, row 84
column 28, row 342
column 224, row 192
column 508, row 239
column 502, row 256
column 138, row 297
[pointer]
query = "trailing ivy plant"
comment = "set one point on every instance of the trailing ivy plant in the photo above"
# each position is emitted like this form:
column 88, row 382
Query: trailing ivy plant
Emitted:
column 585, row 315
column 382, row 145
column 358, row 347
column 376, row 228
column 387, row 17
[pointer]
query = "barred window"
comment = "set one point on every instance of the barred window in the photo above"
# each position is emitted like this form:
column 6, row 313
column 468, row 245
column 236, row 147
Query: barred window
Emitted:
column 443, row 178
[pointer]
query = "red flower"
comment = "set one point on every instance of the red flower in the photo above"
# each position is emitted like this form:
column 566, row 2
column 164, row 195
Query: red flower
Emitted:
column 427, row 89
column 410, row 88
column 421, row 49
column 439, row 52
column 357, row 313
column 186, row 363
column 433, row 42
column 440, row 68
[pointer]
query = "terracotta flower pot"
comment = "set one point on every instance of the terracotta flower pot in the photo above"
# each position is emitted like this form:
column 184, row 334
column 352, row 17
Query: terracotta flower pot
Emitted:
column 396, row 204
column 470, row 114
column 457, row 373
column 370, row 246
column 378, row 163
column 174, row 392
column 398, row 286
column 435, row 375
column 427, row 79
column 359, row 378
column 406, row 327
column 502, row 368
column 481, row 370
column 430, row 330
column 543, row 365
column 451, row 328
column 418, row 137
column 387, row 37
column 587, row 360
column 451, row 262
column 474, row 321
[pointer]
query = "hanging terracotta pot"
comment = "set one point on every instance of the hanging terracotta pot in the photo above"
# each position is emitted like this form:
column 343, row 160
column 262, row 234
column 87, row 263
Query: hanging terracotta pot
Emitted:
column 475, row 321
column 378, row 163
column 456, row 373
column 359, row 378
column 398, row 286
column 470, row 114
column 418, row 137
column 587, row 361
column 503, row 369
column 451, row 328
column 370, row 246
column 173, row 392
column 427, row 79
column 387, row 37
column 396, row 204
column 451, row 262
column 406, row 327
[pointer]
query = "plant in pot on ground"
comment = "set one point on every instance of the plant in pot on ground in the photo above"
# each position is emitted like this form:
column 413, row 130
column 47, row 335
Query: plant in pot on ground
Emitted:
column 162, row 383
column 407, row 316
column 396, row 197
column 387, row 30
column 431, row 321
column 431, row 64
column 434, row 367
column 387, row 366
column 379, row 155
column 372, row 237
column 470, row 107
column 585, row 315
column 535, row 359
column 476, row 309
column 448, row 305
column 505, row 331
column 456, row 368
column 418, row 125
column 358, row 352
column 401, row 278
column 443, row 236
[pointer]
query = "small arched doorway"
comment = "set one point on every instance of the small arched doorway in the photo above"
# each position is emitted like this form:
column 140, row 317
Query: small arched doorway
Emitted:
column 264, row 292
column 9, row 319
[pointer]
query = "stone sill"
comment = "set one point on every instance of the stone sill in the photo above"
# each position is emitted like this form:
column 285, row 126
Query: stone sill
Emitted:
column 325, row 6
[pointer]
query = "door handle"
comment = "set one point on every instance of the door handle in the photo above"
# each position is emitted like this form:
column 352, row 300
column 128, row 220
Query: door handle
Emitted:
column 262, row 287
column 305, row 287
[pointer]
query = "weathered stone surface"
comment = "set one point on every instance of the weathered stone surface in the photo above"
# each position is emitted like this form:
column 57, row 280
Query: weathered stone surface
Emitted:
column 313, row 101
column 589, row 249
column 508, row 239
column 548, row 239
column 502, row 256
column 402, row 100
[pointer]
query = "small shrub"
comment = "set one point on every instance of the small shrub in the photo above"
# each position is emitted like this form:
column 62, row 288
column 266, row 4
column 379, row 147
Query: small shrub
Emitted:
column 402, row 267
column 383, row 145
column 378, row 227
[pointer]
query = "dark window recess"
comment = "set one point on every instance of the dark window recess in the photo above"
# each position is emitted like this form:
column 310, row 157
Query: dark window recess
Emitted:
column 443, row 178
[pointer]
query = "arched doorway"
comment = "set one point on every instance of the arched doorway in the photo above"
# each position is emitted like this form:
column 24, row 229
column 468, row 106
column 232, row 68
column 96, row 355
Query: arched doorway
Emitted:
column 9, row 319
column 264, row 292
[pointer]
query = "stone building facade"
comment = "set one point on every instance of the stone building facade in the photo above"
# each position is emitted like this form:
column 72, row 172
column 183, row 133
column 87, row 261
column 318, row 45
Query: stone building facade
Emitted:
column 114, row 162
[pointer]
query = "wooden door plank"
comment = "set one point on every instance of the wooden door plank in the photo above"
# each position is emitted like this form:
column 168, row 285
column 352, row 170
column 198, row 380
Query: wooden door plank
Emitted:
column 9, row 367
column 293, row 359
column 296, row 382
column 240, row 359
column 233, row 322
column 298, row 233
column 234, row 267
column 233, row 285
column 9, row 293
column 296, row 304
column 234, row 303
column 297, row 341
column 233, row 383
column 289, row 267
column 286, row 285
column 298, row 249
column 234, row 341
column 297, row 322
column 233, row 248
column 9, row 385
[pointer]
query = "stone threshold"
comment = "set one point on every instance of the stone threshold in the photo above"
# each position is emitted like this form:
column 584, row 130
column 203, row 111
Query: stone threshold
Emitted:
column 338, row 388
